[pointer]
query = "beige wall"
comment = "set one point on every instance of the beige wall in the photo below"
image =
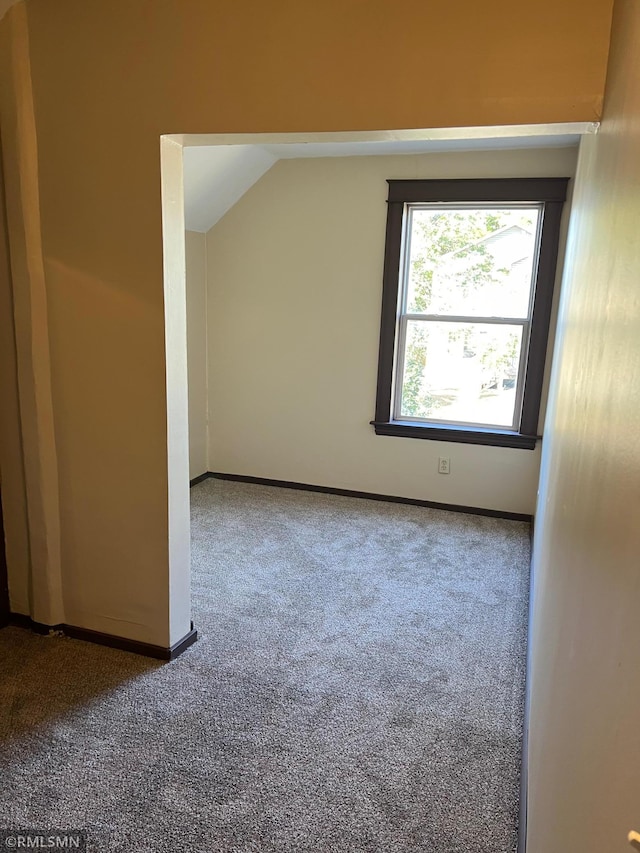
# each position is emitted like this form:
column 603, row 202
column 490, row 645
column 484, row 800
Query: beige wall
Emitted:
column 196, row 252
column 6, row 4
column 295, row 283
column 133, row 67
column 14, row 496
column 584, row 777
column 38, row 463
column 111, row 76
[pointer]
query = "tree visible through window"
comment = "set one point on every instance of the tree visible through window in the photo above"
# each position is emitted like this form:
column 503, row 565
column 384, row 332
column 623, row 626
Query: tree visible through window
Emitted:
column 471, row 278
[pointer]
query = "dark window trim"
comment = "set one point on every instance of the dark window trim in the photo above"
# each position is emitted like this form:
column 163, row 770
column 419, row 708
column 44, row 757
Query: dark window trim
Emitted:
column 550, row 191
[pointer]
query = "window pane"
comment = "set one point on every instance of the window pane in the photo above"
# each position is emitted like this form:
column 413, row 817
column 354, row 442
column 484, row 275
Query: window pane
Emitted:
column 461, row 372
column 471, row 262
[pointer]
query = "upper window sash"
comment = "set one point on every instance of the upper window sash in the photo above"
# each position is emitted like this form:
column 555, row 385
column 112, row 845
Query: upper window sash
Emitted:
column 405, row 254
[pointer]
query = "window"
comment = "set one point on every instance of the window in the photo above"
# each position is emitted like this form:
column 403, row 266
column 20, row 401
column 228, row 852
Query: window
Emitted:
column 468, row 285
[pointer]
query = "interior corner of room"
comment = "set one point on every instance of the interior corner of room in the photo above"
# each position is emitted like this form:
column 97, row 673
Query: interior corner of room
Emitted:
column 284, row 259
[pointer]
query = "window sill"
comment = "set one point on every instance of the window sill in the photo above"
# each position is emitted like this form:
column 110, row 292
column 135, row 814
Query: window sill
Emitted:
column 459, row 434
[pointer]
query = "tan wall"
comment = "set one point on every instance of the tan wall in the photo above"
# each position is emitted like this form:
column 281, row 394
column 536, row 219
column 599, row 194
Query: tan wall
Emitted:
column 295, row 286
column 584, row 780
column 39, row 462
column 6, row 4
column 14, row 496
column 109, row 77
column 132, row 67
column 196, row 256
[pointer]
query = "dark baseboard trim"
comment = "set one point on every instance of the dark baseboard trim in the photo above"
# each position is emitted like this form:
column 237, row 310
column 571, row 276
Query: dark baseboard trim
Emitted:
column 371, row 496
column 200, row 478
column 165, row 653
column 182, row 645
column 19, row 620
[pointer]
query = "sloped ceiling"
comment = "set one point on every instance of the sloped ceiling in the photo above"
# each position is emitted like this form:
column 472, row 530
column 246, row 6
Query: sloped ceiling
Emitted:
column 216, row 176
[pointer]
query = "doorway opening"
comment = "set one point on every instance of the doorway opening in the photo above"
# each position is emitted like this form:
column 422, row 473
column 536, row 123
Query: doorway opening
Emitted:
column 203, row 176
column 274, row 402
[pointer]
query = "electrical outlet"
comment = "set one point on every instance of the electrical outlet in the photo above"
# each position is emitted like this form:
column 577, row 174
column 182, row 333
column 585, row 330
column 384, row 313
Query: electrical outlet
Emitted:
column 443, row 465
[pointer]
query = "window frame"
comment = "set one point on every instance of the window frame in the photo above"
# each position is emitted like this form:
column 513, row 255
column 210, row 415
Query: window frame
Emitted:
column 550, row 193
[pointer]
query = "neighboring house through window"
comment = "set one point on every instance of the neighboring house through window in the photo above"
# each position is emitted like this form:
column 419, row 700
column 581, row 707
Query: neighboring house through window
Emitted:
column 467, row 293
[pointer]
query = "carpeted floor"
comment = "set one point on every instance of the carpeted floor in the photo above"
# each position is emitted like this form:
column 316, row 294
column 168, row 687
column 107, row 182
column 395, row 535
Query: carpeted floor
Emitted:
column 357, row 687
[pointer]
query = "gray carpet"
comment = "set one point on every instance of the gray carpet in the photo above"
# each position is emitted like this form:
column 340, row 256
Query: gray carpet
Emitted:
column 358, row 686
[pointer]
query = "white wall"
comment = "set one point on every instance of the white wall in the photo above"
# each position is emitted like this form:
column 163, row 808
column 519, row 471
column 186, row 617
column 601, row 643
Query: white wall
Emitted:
column 294, row 291
column 196, row 258
column 584, row 746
